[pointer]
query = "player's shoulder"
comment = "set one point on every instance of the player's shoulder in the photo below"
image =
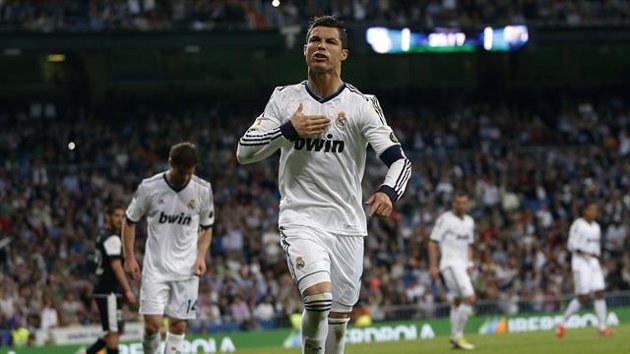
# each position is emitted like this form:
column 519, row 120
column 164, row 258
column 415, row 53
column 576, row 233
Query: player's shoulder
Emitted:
column 281, row 92
column 112, row 243
column 153, row 180
column 444, row 217
column 579, row 222
column 201, row 182
column 356, row 94
column 111, row 237
column 469, row 219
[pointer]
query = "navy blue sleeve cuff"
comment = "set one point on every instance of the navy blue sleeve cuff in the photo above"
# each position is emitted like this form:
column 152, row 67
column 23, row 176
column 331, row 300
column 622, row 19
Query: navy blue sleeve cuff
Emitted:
column 391, row 193
column 289, row 132
column 391, row 155
column 205, row 227
column 129, row 221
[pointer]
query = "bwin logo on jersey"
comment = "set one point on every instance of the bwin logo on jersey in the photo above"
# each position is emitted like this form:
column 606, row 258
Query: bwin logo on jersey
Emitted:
column 327, row 145
column 180, row 219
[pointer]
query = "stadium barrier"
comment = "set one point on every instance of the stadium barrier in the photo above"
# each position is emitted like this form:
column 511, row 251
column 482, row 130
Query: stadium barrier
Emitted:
column 424, row 329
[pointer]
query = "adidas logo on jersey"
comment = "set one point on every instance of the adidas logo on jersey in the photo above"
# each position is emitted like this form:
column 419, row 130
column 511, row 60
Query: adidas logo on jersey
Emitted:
column 180, row 219
column 327, row 145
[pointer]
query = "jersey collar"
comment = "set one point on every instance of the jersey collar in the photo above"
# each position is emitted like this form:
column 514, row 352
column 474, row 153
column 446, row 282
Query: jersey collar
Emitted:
column 177, row 190
column 324, row 99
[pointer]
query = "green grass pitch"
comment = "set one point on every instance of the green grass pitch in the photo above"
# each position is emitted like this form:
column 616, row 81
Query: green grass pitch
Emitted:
column 576, row 341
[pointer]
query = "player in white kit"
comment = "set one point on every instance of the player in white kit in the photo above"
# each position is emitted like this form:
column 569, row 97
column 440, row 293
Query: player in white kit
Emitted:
column 322, row 127
column 585, row 247
column 454, row 234
column 180, row 214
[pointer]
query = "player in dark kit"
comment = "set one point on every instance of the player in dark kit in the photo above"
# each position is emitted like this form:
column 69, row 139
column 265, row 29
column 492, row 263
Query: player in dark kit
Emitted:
column 112, row 282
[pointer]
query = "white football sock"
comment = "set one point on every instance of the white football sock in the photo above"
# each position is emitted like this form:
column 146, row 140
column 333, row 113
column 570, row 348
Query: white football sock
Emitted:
column 600, row 312
column 464, row 310
column 574, row 306
column 335, row 341
column 174, row 343
column 151, row 343
column 314, row 322
column 454, row 323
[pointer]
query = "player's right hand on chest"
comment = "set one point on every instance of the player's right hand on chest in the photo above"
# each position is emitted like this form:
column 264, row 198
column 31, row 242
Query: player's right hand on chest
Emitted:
column 309, row 125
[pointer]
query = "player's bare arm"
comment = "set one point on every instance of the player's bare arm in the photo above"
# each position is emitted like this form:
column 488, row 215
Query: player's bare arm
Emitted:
column 380, row 205
column 470, row 265
column 129, row 236
column 433, row 259
column 122, row 280
column 205, row 238
column 308, row 125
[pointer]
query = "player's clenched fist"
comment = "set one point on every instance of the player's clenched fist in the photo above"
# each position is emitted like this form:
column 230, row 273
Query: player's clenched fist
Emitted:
column 132, row 268
column 381, row 205
column 308, row 125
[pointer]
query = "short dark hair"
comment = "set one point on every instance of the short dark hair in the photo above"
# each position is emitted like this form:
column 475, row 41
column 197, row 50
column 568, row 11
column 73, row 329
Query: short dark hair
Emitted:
column 329, row 21
column 460, row 193
column 111, row 208
column 184, row 155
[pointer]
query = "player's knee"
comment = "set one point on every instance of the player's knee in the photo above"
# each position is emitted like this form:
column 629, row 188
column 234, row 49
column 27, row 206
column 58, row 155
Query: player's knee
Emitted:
column 583, row 299
column 111, row 339
column 152, row 326
column 599, row 294
column 470, row 299
column 339, row 315
column 176, row 326
column 321, row 286
column 319, row 303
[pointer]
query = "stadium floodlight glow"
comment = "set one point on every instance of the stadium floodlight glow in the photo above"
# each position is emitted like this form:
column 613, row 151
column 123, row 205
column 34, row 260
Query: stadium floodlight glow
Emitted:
column 56, row 58
column 405, row 41
column 275, row 3
column 487, row 38
column 379, row 39
column 446, row 40
column 505, row 39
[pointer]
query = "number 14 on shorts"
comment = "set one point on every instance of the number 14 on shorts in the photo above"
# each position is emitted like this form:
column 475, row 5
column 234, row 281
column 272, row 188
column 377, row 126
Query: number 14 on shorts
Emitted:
column 191, row 306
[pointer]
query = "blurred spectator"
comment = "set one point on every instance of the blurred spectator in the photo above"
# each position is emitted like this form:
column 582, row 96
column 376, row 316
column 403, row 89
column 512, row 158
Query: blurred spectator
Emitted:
column 49, row 315
column 264, row 311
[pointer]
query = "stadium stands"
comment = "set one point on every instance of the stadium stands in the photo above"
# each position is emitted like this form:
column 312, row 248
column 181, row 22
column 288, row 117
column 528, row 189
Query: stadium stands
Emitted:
column 156, row 15
column 527, row 166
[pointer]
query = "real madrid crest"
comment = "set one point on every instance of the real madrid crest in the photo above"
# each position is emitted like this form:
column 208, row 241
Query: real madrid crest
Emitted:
column 340, row 122
column 191, row 204
column 299, row 262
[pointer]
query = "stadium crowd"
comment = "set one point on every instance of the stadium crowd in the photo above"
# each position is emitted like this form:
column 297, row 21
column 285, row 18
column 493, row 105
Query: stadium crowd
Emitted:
column 157, row 15
column 528, row 167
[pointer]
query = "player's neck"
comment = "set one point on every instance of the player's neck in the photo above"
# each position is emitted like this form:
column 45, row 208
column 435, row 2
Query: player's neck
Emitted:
column 174, row 184
column 324, row 84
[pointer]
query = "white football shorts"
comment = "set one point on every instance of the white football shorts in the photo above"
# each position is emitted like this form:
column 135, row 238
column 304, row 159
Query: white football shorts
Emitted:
column 457, row 281
column 588, row 277
column 177, row 298
column 315, row 256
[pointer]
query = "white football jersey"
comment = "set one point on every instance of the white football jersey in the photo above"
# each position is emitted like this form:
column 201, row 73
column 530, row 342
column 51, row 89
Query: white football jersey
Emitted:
column 454, row 235
column 320, row 178
column 585, row 237
column 174, row 217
